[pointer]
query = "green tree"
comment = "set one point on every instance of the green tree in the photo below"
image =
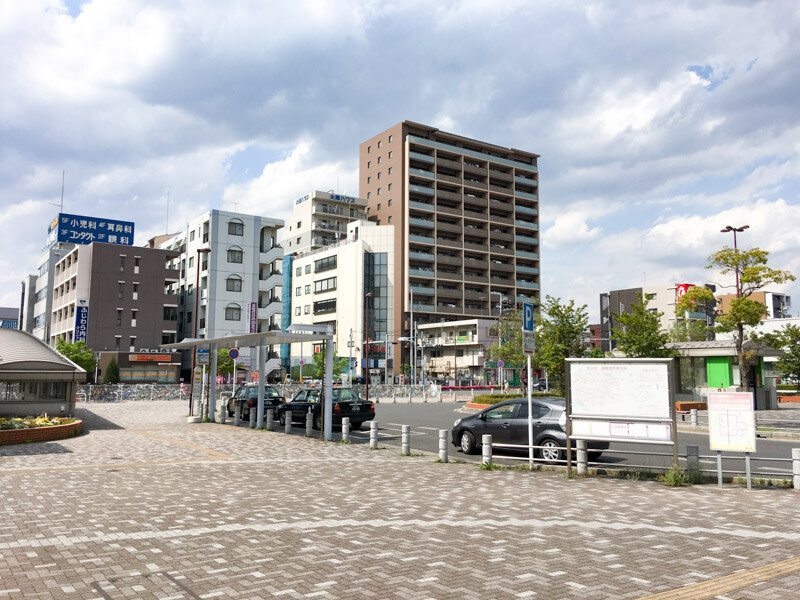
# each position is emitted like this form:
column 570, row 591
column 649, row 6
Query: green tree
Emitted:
column 560, row 330
column 224, row 362
column 638, row 333
column 596, row 353
column 508, row 347
column 112, row 372
column 754, row 275
column 78, row 353
column 788, row 340
column 405, row 369
column 339, row 365
column 689, row 330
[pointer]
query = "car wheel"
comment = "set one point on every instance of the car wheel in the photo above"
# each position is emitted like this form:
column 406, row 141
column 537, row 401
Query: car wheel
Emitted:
column 282, row 419
column 317, row 422
column 551, row 451
column 594, row 456
column 467, row 442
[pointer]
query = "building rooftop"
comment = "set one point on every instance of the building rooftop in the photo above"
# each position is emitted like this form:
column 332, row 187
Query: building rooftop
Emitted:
column 20, row 351
column 8, row 313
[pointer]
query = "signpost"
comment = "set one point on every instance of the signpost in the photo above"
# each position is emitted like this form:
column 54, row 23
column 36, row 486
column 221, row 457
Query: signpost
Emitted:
column 202, row 357
column 528, row 348
column 732, row 426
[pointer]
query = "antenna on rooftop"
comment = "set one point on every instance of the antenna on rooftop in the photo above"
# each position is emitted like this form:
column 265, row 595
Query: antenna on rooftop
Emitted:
column 61, row 206
column 167, row 230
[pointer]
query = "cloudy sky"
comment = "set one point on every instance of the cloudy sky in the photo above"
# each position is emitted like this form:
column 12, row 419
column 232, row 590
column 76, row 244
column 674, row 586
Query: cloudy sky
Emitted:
column 657, row 123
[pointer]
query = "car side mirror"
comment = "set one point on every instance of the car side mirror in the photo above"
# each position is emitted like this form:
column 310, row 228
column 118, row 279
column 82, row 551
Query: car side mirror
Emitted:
column 482, row 416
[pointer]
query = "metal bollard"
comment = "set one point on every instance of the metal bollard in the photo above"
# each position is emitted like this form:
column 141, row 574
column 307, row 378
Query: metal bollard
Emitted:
column 409, row 394
column 394, row 395
column 223, row 412
column 346, row 430
column 443, row 445
column 486, row 440
column 253, row 416
column 373, row 435
column 583, row 458
column 473, row 393
column 309, row 424
column 237, row 415
column 693, row 414
column 270, row 420
column 796, row 467
column 693, row 460
column 287, row 428
column 405, row 440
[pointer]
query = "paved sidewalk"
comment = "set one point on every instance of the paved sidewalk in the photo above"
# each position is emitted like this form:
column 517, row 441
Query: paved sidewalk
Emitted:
column 146, row 506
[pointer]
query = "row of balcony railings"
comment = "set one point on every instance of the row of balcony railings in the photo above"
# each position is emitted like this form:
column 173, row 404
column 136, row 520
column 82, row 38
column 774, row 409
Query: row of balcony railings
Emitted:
column 433, row 151
column 457, row 194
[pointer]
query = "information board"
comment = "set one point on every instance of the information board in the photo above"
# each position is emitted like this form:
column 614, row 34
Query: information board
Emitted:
column 620, row 388
column 80, row 229
column 731, row 421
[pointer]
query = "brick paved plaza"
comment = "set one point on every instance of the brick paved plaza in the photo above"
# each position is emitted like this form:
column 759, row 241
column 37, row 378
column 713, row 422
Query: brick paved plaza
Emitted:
column 144, row 505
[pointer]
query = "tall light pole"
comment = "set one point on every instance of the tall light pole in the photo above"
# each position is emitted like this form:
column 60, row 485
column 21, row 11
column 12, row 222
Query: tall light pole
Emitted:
column 727, row 229
column 367, row 296
column 194, row 335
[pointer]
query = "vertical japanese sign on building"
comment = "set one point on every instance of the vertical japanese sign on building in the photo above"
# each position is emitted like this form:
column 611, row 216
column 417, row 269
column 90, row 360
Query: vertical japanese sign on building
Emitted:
column 253, row 315
column 81, row 320
column 79, row 229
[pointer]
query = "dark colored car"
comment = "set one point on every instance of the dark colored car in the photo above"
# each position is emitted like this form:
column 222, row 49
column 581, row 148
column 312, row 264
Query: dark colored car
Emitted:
column 247, row 397
column 507, row 422
column 345, row 403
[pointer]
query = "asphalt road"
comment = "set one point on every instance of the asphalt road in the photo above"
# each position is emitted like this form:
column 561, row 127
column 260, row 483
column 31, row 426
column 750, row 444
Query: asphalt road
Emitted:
column 427, row 419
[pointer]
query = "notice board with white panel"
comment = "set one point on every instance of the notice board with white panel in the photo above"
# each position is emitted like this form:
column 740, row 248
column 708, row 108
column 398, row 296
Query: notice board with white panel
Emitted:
column 623, row 400
column 731, row 421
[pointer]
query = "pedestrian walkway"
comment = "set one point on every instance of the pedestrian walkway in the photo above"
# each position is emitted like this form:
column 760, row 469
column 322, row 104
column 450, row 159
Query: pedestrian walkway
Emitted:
column 145, row 505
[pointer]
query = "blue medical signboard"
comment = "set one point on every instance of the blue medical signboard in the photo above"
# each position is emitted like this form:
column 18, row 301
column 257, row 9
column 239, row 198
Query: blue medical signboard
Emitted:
column 81, row 321
column 78, row 229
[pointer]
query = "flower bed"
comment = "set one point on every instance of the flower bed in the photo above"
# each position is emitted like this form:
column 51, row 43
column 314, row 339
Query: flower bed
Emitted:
column 17, row 430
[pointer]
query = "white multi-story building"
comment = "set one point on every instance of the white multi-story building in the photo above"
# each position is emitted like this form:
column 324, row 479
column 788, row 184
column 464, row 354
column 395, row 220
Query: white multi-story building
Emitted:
column 37, row 292
column 456, row 350
column 330, row 285
column 234, row 260
column 320, row 219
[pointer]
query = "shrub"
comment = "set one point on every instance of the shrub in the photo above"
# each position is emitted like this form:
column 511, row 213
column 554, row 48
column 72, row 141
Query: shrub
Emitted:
column 495, row 398
column 675, row 477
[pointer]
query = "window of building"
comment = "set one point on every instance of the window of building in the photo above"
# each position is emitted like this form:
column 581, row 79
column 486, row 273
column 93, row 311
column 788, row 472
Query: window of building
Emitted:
column 390, row 154
column 325, row 264
column 390, row 139
column 133, row 316
column 121, row 290
column 379, row 174
column 235, row 227
column 297, row 311
column 298, row 291
column 308, row 289
column 379, row 160
column 369, row 149
column 390, row 200
column 390, row 168
column 369, row 164
column 136, row 261
column 307, row 309
column 189, row 317
column 119, row 317
column 390, row 220
column 379, row 191
column 369, row 195
column 233, row 284
column 325, row 306
column 233, row 312
column 121, row 264
column 191, row 235
column 369, row 179
column 325, row 285
column 379, row 206
column 308, row 269
column 170, row 313
column 390, row 187
column 191, row 261
column 235, row 255
column 299, row 224
column 298, row 271
column 117, row 342
column 380, row 143
column 298, row 241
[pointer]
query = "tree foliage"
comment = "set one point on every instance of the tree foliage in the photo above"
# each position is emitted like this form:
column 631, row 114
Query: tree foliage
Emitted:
column 754, row 275
column 339, row 364
column 78, row 353
column 224, row 362
column 560, row 330
column 112, row 372
column 638, row 333
column 508, row 347
column 596, row 353
column 788, row 340
column 689, row 330
column 405, row 369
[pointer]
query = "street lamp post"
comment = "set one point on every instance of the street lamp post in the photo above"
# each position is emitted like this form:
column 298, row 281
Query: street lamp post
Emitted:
column 367, row 296
column 727, row 229
column 194, row 334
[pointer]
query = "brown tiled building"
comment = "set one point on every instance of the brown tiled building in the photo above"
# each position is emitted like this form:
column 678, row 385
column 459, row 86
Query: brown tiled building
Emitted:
column 466, row 217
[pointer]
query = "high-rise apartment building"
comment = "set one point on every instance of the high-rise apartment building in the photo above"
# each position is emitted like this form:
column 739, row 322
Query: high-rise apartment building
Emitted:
column 320, row 219
column 234, row 261
column 466, row 218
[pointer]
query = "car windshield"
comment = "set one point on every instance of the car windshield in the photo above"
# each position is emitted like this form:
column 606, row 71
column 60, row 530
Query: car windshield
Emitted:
column 344, row 394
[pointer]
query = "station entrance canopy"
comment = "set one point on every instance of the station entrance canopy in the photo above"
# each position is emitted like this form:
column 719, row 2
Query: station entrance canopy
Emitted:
column 261, row 341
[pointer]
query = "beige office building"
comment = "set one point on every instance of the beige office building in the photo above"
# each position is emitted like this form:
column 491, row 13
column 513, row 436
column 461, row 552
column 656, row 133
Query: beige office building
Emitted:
column 466, row 217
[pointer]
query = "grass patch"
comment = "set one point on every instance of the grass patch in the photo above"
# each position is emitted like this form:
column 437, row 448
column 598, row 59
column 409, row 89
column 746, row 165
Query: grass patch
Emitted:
column 638, row 475
column 344, row 443
column 492, row 467
column 675, row 477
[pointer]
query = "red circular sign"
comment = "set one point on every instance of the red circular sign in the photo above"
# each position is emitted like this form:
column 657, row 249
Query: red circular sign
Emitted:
column 234, row 353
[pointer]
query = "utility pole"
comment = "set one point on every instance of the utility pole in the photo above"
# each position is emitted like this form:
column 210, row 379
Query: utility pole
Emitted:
column 455, row 354
column 413, row 341
column 350, row 358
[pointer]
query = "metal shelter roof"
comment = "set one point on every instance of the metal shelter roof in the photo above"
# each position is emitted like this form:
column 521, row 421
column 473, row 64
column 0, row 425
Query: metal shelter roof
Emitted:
column 20, row 352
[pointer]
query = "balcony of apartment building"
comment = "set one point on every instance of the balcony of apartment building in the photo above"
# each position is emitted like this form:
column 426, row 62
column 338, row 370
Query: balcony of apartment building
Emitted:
column 475, row 182
column 448, row 305
column 450, row 193
column 446, row 224
column 476, row 201
column 320, row 241
column 499, row 246
column 502, row 265
column 525, row 269
column 419, row 270
column 525, row 210
column 473, row 275
column 475, row 231
column 475, row 167
column 525, row 179
column 420, row 254
column 448, row 162
column 448, row 257
column 475, row 262
column 475, row 242
column 448, row 239
column 421, row 221
column 450, row 272
column 329, row 210
column 422, row 204
column 421, row 156
column 422, row 175
column 475, row 212
column 425, row 190
column 420, row 234
column 526, row 241
column 422, row 288
column 357, row 213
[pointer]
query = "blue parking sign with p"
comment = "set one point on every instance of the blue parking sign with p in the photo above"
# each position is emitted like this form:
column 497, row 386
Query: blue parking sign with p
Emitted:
column 527, row 317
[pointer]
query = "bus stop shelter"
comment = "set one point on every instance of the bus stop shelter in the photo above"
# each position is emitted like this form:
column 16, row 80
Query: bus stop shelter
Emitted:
column 260, row 341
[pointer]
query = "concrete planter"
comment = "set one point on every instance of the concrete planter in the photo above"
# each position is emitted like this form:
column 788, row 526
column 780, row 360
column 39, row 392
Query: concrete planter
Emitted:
column 40, row 434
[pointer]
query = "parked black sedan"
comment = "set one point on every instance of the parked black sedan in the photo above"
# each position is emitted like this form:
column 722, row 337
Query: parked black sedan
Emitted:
column 247, row 397
column 507, row 422
column 345, row 403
